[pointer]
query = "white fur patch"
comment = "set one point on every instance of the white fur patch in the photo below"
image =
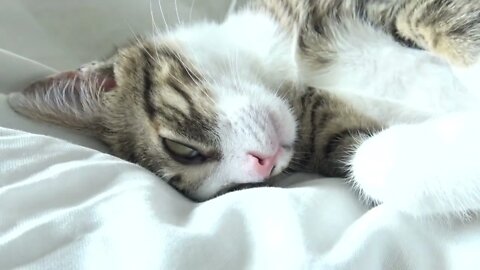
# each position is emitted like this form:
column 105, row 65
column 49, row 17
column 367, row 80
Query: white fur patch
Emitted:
column 431, row 167
column 371, row 64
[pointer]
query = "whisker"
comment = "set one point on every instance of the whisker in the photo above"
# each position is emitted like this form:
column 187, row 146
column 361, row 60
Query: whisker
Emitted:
column 236, row 67
column 190, row 73
column 155, row 28
column 233, row 6
column 167, row 28
column 193, row 76
column 176, row 12
column 229, row 68
column 191, row 11
column 182, row 83
column 156, row 31
column 142, row 45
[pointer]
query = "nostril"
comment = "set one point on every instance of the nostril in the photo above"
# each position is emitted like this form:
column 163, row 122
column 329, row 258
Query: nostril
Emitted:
column 262, row 164
column 260, row 159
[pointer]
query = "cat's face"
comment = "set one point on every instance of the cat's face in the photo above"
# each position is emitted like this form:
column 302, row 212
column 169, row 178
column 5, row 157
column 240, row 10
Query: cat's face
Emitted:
column 202, row 133
column 190, row 112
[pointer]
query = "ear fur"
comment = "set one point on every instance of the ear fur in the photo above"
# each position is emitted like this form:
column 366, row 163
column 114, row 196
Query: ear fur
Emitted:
column 73, row 98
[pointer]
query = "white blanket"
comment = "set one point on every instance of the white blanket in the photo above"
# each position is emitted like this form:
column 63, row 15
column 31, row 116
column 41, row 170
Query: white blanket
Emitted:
column 67, row 206
column 63, row 206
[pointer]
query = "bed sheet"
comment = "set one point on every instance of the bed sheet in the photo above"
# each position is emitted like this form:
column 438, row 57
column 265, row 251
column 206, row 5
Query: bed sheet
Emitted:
column 65, row 203
column 64, row 206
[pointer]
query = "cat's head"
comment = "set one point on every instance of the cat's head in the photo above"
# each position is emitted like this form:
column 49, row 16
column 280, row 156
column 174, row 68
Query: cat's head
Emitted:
column 179, row 105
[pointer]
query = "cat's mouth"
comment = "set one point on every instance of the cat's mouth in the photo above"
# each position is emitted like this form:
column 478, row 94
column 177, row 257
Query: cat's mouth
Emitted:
column 238, row 187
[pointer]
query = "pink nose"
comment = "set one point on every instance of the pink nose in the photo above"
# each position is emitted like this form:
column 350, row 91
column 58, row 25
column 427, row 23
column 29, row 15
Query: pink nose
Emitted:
column 263, row 165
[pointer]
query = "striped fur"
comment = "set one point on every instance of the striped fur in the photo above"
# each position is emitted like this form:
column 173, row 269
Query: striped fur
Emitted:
column 329, row 130
column 238, row 86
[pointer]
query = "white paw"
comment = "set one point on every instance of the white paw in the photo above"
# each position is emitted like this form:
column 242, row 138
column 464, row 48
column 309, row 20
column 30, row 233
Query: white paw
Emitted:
column 424, row 168
column 372, row 164
column 386, row 166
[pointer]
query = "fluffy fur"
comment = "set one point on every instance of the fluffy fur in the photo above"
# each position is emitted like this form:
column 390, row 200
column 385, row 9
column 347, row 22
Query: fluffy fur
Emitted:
column 381, row 91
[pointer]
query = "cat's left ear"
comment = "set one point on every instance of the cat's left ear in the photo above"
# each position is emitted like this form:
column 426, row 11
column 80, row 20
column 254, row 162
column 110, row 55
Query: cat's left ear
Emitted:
column 73, row 99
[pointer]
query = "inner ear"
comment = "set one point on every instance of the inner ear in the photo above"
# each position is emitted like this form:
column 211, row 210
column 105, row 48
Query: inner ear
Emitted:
column 73, row 98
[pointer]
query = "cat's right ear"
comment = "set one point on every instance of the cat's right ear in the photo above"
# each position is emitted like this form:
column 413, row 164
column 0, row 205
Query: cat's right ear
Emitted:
column 72, row 99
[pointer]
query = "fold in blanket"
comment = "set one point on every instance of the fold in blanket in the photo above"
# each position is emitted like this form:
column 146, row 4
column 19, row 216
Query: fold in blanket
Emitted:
column 63, row 206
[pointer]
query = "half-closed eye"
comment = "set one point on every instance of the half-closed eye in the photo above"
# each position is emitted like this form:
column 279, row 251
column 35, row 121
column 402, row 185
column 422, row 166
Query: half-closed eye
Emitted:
column 182, row 153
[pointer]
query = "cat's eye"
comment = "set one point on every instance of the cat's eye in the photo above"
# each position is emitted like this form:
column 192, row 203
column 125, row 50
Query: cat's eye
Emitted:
column 182, row 153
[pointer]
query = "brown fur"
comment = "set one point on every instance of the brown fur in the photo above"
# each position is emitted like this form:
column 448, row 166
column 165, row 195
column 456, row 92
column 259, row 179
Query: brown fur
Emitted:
column 329, row 130
column 449, row 28
column 159, row 94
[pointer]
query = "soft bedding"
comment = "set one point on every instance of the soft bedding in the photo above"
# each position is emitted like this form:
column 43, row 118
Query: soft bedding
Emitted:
column 66, row 204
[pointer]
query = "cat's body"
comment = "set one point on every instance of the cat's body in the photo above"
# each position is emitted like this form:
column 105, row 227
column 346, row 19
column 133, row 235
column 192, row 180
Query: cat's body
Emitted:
column 296, row 82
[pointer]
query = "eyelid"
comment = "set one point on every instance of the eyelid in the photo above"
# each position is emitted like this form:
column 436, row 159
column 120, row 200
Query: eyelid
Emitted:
column 200, row 158
column 169, row 135
column 181, row 143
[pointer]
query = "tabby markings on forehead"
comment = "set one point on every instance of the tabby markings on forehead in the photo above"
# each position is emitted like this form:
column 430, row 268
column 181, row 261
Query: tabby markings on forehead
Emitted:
column 174, row 99
column 148, row 83
column 184, row 72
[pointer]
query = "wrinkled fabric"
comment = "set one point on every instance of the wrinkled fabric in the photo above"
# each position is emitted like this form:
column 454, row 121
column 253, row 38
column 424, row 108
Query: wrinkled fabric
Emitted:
column 64, row 205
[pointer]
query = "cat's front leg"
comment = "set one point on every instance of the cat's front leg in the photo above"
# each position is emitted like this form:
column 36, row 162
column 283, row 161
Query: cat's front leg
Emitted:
column 329, row 129
column 427, row 168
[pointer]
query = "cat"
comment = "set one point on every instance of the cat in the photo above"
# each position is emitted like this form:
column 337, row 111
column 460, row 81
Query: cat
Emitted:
column 381, row 92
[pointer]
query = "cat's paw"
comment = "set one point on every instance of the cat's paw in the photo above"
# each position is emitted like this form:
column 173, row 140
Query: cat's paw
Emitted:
column 387, row 167
column 425, row 168
column 372, row 165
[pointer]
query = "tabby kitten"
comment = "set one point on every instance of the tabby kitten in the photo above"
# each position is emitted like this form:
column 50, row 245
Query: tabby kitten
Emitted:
column 355, row 88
